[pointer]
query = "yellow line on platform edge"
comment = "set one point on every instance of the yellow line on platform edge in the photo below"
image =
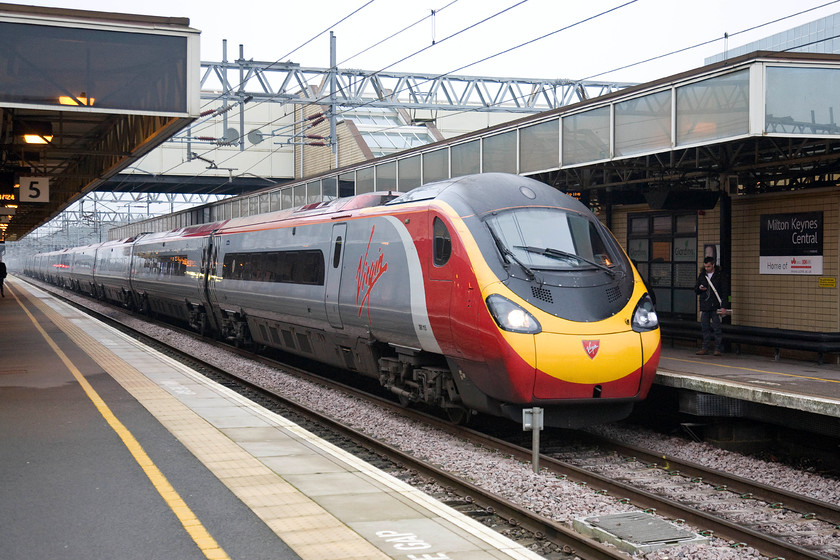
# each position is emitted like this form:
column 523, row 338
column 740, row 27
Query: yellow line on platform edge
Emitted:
column 742, row 368
column 205, row 542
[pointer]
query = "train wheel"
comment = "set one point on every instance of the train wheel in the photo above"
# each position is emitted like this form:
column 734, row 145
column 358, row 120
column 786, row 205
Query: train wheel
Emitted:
column 458, row 415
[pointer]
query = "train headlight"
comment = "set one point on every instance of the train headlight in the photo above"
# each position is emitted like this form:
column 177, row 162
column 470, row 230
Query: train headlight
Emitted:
column 512, row 317
column 644, row 317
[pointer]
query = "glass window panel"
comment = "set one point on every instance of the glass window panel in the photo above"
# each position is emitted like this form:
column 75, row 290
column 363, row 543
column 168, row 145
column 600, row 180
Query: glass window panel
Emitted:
column 539, row 147
column 364, row 180
column 399, row 141
column 586, row 136
column 685, row 275
column 663, row 300
column 386, row 176
column 436, row 165
column 330, row 188
column 420, row 140
column 300, row 195
column 639, row 225
column 313, row 192
column 275, row 203
column 409, row 173
column 264, row 203
column 347, row 185
column 713, row 109
column 638, row 249
column 660, row 275
column 661, row 251
column 253, row 205
column 135, row 71
column 662, row 224
column 802, row 100
column 687, row 223
column 685, row 249
column 500, row 153
column 235, row 209
column 378, row 140
column 684, row 301
column 643, row 124
column 286, row 197
column 466, row 158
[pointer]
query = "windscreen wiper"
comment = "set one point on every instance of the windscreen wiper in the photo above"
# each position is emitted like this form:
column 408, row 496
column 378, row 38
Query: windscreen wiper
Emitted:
column 508, row 253
column 557, row 253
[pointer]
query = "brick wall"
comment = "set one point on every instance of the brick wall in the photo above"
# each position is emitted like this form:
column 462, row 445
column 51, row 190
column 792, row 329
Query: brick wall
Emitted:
column 784, row 301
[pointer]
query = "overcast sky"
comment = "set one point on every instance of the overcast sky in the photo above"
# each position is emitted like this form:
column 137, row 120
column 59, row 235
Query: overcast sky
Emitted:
column 591, row 38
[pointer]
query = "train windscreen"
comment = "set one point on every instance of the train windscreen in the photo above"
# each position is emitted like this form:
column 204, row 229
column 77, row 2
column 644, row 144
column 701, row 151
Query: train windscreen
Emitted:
column 552, row 239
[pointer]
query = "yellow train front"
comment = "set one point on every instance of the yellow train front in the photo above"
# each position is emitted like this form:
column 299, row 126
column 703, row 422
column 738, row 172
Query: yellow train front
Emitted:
column 546, row 308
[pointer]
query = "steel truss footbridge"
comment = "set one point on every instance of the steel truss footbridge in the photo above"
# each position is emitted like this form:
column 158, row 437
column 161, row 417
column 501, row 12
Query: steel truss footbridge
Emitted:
column 287, row 82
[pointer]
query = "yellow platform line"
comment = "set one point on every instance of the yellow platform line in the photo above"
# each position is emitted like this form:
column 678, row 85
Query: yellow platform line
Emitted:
column 312, row 532
column 205, row 542
column 743, row 368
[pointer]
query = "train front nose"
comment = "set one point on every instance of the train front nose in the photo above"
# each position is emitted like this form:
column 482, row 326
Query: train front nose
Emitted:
column 573, row 366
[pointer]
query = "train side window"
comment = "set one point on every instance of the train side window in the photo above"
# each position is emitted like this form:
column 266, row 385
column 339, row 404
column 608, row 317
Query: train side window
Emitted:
column 337, row 252
column 442, row 243
column 287, row 267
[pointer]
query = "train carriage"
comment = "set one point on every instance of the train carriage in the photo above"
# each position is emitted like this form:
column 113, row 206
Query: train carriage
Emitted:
column 79, row 275
column 166, row 274
column 487, row 293
column 112, row 271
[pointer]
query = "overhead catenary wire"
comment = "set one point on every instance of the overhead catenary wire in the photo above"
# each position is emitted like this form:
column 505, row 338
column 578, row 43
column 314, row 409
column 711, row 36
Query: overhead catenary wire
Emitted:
column 710, row 41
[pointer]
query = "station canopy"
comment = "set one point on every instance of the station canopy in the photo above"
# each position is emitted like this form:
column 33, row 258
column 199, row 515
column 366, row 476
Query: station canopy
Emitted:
column 82, row 95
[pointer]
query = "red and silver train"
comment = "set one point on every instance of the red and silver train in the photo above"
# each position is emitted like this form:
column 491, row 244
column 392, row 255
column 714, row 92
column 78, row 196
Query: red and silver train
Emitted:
column 486, row 293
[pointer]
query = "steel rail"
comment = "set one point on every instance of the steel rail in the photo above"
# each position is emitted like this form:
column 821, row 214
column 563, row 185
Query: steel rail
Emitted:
column 779, row 497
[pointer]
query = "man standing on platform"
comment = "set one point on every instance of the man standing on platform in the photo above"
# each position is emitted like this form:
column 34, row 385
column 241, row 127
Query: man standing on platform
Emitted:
column 711, row 289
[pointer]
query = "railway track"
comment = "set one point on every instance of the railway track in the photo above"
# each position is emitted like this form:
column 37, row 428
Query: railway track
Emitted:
column 565, row 540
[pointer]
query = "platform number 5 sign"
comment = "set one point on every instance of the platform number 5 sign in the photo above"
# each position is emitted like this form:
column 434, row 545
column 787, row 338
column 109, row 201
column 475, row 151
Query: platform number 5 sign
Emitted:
column 34, row 189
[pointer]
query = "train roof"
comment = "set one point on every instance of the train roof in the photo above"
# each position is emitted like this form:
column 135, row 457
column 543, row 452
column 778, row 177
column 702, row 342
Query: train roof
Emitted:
column 490, row 192
column 315, row 211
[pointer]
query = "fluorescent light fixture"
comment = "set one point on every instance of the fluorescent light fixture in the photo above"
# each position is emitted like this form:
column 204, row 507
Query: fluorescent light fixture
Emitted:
column 37, row 132
column 81, row 99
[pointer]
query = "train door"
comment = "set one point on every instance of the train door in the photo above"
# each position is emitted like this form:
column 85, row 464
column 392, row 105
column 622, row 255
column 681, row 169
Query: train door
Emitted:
column 209, row 267
column 334, row 265
column 441, row 275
